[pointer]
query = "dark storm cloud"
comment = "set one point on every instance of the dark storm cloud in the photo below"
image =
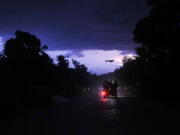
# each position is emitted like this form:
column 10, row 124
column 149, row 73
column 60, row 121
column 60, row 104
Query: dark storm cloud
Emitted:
column 80, row 24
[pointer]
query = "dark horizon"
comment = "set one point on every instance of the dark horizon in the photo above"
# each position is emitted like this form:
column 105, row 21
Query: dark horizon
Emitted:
column 76, row 26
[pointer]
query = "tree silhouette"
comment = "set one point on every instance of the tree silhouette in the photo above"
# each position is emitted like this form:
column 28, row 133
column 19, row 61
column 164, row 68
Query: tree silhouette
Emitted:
column 159, row 32
column 29, row 77
column 63, row 63
column 28, row 67
column 156, row 66
column 79, row 67
column 62, row 76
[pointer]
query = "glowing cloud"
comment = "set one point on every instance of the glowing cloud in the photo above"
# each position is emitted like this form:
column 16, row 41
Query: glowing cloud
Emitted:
column 119, row 59
column 1, row 43
column 95, row 60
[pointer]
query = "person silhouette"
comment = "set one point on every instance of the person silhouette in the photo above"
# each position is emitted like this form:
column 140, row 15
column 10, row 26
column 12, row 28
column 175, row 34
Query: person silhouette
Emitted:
column 114, row 86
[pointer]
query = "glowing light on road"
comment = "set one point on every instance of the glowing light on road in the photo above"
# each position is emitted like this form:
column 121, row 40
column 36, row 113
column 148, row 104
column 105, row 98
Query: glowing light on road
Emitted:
column 103, row 93
column 104, row 100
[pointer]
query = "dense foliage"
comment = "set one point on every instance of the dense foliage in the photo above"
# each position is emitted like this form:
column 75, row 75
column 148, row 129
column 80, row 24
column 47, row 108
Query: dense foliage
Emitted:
column 155, row 71
column 30, row 78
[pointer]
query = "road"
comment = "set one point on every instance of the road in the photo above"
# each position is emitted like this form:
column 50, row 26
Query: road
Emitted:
column 90, row 115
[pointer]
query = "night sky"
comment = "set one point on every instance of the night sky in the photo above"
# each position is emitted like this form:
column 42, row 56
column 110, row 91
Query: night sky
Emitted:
column 87, row 30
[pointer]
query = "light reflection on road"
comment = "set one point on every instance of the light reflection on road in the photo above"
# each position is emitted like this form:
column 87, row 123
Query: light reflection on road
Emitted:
column 110, row 108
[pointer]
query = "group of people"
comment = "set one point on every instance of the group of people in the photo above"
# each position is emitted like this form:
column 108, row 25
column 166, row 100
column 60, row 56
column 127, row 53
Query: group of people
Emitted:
column 111, row 86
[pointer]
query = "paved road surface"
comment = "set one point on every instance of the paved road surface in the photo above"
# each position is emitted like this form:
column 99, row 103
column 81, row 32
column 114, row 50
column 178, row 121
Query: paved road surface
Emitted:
column 91, row 116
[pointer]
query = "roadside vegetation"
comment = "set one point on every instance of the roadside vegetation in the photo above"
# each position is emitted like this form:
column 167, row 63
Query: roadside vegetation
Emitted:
column 29, row 78
column 154, row 74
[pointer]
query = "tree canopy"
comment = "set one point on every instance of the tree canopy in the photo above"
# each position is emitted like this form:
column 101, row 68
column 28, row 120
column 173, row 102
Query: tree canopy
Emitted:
column 154, row 71
column 29, row 76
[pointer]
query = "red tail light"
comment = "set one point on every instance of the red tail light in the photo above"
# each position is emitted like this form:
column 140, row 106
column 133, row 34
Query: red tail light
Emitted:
column 103, row 93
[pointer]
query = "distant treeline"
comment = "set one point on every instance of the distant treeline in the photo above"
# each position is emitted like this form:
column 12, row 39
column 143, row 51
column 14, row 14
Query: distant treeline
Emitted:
column 28, row 76
column 154, row 73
